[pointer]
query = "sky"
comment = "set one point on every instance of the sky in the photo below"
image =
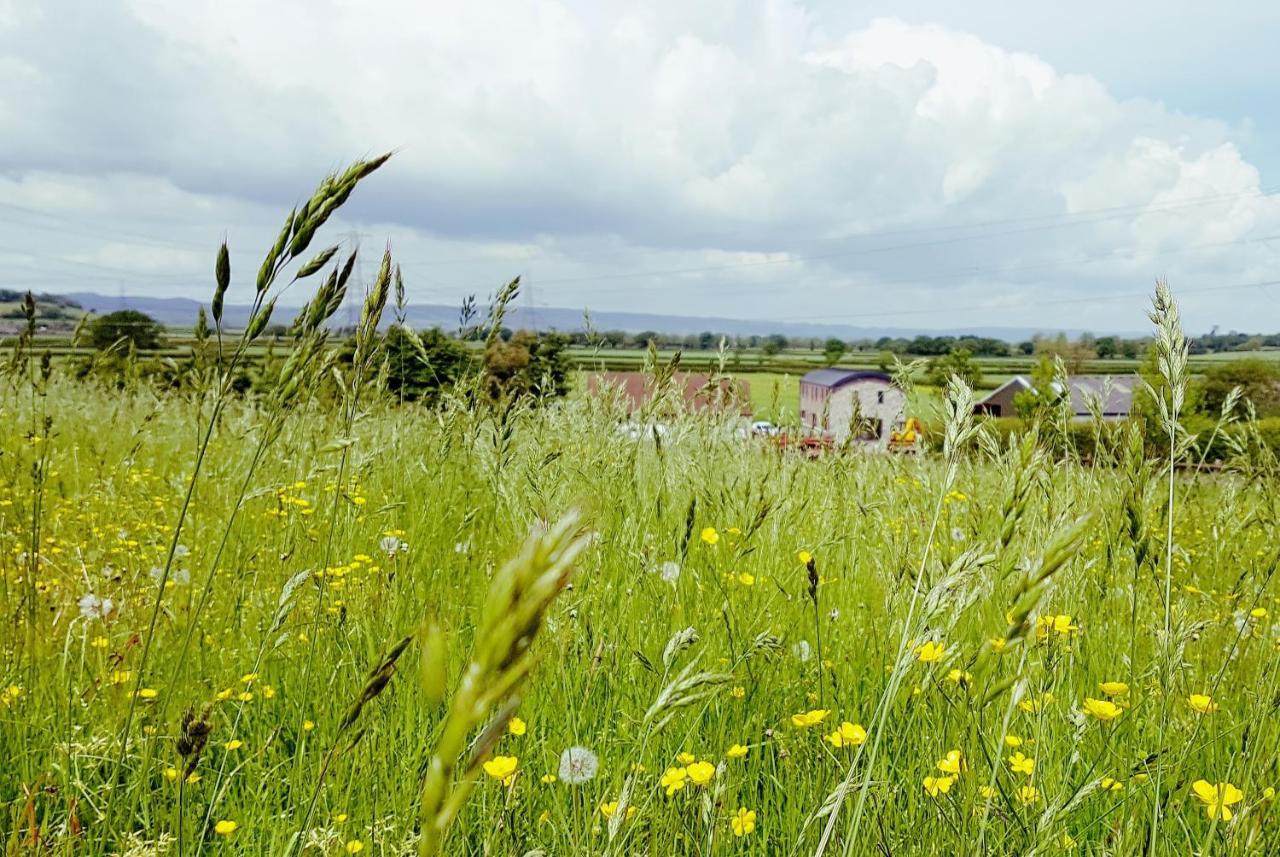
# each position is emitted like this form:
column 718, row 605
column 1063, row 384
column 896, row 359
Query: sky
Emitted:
column 906, row 164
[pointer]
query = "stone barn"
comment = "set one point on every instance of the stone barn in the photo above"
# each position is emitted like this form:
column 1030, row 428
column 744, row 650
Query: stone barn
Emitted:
column 840, row 403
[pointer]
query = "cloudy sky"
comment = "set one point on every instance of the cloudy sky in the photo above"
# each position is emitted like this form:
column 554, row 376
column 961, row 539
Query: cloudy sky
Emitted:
column 884, row 164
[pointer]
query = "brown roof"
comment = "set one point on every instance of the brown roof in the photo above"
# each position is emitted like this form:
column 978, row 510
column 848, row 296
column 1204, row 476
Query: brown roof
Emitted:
column 637, row 388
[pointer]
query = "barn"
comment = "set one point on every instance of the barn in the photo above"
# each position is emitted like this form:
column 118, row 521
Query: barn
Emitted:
column 838, row 403
column 1113, row 395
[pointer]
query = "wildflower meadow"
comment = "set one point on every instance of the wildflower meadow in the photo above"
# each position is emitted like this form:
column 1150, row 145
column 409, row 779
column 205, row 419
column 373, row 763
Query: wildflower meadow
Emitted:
column 320, row 621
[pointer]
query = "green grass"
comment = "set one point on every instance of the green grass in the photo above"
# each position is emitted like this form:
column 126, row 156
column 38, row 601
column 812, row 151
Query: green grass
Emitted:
column 461, row 490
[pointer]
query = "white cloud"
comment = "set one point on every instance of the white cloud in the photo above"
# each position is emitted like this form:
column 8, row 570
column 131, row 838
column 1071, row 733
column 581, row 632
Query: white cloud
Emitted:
column 895, row 166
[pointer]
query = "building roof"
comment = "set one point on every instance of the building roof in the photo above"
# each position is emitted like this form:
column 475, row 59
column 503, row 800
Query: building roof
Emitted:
column 1115, row 393
column 698, row 392
column 1118, row 398
column 839, row 377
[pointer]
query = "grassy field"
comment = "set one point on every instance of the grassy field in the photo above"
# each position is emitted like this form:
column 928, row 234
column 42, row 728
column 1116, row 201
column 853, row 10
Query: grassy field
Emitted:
column 976, row 661
column 314, row 621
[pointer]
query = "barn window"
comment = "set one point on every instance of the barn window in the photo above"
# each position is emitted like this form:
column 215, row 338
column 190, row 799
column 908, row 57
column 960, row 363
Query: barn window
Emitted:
column 880, row 397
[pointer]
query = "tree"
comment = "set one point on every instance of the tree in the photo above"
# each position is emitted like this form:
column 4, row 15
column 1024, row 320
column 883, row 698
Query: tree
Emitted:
column 136, row 329
column 1107, row 347
column 1258, row 379
column 528, row 365
column 833, row 350
column 959, row 363
column 423, row 374
column 773, row 344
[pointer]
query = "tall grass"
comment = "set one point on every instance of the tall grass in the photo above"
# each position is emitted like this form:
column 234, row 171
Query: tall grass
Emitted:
column 216, row 659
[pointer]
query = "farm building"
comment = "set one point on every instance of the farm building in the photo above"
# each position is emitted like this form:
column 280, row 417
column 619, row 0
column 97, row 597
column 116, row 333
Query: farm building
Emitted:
column 637, row 390
column 1115, row 394
column 836, row 402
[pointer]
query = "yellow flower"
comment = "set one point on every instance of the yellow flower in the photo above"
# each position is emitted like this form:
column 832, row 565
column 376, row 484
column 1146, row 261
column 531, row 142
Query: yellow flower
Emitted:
column 1031, row 706
column 516, row 726
column 1202, row 704
column 1013, row 741
column 148, row 693
column 99, row 642
column 548, row 778
column 743, row 821
column 225, row 827
column 809, row 718
column 502, row 768
column 747, row 579
column 987, row 792
column 960, row 677
column 308, row 725
column 233, row 744
column 1066, row 842
column 686, row 758
column 1060, row 626
column 1217, row 799
column 1114, row 688
column 710, row 536
column 931, row 652
column 737, row 751
column 934, row 786
column 738, row 692
column 673, row 780
column 1101, row 709
column 1258, row 612
column 1021, row 764
column 355, row 846
column 998, row 644
column 848, row 735
column 701, row 773
column 805, row 557
column 952, row 763
column 171, row 774
column 1028, row 794
column 608, row 809
column 1107, row 784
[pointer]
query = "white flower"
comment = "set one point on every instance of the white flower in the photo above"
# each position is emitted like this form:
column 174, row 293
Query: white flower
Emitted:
column 670, row 572
column 93, row 607
column 578, row 765
column 391, row 546
column 462, row 547
column 179, row 576
column 180, row 551
column 801, row 650
column 957, row 534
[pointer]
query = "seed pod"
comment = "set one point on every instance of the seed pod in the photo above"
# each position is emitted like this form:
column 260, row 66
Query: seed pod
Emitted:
column 222, row 276
column 259, row 322
column 434, row 656
column 269, row 263
column 316, row 264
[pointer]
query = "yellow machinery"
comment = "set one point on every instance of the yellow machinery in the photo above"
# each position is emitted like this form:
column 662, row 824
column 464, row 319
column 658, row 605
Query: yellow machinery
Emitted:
column 907, row 438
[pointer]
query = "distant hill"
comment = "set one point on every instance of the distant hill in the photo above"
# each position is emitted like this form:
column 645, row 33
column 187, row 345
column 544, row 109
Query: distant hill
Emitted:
column 182, row 312
column 53, row 312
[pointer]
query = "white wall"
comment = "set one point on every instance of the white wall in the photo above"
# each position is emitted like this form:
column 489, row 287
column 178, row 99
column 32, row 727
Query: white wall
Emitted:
column 869, row 394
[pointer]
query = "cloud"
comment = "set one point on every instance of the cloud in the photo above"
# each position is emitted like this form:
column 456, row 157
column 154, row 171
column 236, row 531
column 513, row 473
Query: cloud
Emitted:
column 696, row 158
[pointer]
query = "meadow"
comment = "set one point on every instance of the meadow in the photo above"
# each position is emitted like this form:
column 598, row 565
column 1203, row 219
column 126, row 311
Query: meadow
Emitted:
column 321, row 621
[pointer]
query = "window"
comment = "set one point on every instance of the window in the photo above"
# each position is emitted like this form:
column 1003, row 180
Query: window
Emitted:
column 880, row 397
